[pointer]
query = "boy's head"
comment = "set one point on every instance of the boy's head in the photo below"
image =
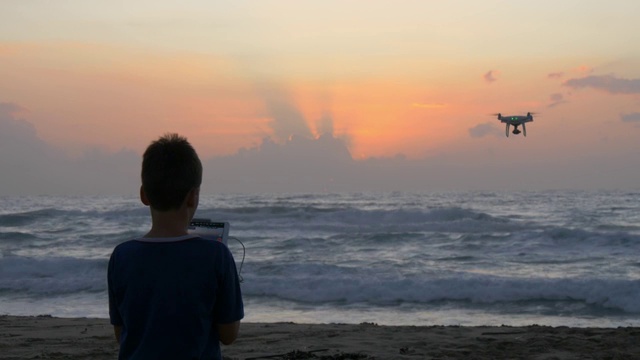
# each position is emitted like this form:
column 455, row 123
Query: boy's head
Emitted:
column 170, row 170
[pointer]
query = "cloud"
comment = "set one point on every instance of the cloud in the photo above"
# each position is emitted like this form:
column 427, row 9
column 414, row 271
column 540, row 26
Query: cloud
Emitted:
column 10, row 109
column 490, row 76
column 608, row 83
column 556, row 99
column 286, row 119
column 15, row 133
column 26, row 162
column 582, row 69
column 631, row 117
column 298, row 164
column 482, row 130
column 325, row 124
column 555, row 75
column 29, row 165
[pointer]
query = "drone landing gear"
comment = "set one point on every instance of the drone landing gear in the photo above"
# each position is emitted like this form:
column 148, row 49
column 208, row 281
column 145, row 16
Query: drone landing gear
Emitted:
column 516, row 131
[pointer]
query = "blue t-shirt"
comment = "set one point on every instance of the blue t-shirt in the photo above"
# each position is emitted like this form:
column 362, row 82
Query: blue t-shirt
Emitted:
column 168, row 294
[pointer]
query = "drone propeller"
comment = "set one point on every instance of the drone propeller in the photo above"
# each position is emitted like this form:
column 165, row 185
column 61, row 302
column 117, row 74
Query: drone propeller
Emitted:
column 528, row 113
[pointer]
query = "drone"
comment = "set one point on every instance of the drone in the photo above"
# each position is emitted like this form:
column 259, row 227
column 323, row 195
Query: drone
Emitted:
column 516, row 120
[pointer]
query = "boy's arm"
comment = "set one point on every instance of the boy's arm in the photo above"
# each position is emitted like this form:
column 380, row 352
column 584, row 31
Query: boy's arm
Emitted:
column 229, row 332
column 229, row 308
column 114, row 314
column 117, row 330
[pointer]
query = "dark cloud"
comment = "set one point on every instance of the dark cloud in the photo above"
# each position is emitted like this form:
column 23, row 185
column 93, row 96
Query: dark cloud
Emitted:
column 286, row 119
column 556, row 99
column 490, row 76
column 608, row 83
column 298, row 164
column 325, row 124
column 555, row 75
column 16, row 130
column 631, row 117
column 18, row 137
column 26, row 162
column 482, row 130
column 29, row 165
column 9, row 109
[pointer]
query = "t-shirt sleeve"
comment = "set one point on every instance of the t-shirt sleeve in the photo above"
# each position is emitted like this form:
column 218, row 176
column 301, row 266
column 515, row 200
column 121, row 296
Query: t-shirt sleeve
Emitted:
column 229, row 306
column 114, row 314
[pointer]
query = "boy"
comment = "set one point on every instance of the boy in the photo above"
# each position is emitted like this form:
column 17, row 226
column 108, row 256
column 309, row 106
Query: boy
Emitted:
column 173, row 295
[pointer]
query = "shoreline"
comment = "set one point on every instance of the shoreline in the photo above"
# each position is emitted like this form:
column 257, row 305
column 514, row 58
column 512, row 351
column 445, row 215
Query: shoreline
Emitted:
column 26, row 337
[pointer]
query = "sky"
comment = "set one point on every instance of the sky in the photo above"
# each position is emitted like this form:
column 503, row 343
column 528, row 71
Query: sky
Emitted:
column 321, row 96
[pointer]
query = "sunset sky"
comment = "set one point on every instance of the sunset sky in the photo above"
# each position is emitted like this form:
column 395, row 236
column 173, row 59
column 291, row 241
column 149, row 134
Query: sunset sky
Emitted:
column 410, row 85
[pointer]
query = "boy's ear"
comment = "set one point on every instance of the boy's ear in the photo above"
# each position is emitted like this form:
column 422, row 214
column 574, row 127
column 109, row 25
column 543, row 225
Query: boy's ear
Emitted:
column 143, row 197
column 193, row 197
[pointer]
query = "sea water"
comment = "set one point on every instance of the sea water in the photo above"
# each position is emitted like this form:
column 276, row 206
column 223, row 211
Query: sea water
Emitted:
column 475, row 258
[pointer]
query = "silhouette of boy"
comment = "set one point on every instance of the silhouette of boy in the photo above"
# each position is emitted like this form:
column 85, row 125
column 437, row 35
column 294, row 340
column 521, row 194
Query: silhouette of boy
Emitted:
column 173, row 295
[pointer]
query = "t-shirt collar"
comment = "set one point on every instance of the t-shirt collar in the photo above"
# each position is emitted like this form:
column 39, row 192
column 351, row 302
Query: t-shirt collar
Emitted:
column 167, row 239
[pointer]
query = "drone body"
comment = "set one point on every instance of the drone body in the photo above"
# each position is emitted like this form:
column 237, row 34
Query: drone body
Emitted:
column 516, row 120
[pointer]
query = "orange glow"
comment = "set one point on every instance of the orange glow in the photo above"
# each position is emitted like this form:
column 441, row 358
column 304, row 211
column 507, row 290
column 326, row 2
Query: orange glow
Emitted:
column 382, row 119
column 91, row 95
column 117, row 97
column 80, row 95
column 6, row 50
column 584, row 69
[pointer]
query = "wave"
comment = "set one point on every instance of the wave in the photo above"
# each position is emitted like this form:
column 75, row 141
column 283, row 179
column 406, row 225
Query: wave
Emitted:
column 317, row 284
column 16, row 236
column 51, row 276
column 379, row 251
column 337, row 285
column 349, row 219
column 28, row 217
column 434, row 214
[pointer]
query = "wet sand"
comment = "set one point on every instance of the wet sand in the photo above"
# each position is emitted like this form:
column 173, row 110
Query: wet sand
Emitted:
column 45, row 337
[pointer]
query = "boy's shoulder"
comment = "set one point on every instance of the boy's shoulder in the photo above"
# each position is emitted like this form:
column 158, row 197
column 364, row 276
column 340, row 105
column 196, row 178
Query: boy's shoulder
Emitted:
column 188, row 241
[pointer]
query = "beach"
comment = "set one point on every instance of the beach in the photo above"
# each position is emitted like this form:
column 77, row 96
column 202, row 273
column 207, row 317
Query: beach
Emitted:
column 46, row 337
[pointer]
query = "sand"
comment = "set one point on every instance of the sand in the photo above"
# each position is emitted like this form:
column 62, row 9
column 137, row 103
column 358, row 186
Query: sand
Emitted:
column 45, row 337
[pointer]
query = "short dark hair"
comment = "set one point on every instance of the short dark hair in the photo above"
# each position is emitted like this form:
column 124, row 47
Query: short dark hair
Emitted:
column 170, row 169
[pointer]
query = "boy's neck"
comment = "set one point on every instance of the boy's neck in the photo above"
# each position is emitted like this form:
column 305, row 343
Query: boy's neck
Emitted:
column 168, row 224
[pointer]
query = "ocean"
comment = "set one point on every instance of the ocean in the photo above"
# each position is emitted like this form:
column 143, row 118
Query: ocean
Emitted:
column 558, row 258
